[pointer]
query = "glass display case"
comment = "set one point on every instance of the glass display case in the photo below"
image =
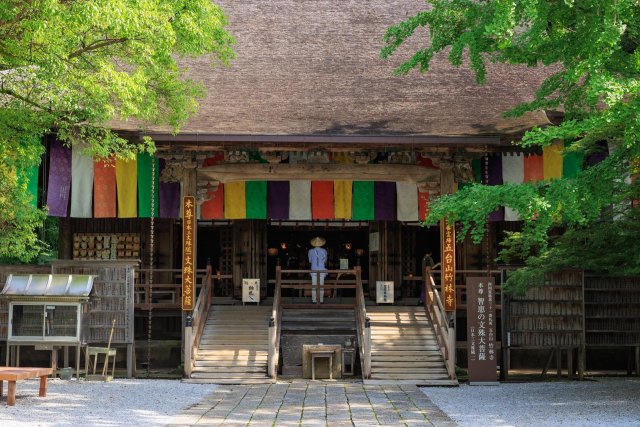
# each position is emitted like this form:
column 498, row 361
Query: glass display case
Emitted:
column 50, row 321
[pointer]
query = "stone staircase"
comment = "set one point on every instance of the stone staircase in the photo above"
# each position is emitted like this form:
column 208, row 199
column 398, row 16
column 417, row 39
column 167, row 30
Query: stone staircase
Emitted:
column 404, row 347
column 234, row 346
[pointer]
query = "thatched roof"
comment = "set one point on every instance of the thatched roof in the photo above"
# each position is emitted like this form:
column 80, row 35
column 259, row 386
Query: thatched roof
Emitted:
column 312, row 67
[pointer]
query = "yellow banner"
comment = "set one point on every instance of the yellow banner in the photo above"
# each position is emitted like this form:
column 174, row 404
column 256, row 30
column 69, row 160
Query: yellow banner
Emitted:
column 552, row 161
column 343, row 196
column 127, row 185
column 235, row 206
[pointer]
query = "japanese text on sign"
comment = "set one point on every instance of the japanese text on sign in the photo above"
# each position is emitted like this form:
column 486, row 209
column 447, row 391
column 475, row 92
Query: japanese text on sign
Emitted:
column 481, row 329
column 188, row 252
column 449, row 266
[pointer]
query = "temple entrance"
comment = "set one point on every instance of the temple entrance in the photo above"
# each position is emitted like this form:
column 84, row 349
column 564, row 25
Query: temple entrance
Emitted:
column 346, row 245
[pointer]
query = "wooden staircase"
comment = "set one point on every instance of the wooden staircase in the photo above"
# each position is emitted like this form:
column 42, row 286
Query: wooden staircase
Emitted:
column 404, row 347
column 234, row 346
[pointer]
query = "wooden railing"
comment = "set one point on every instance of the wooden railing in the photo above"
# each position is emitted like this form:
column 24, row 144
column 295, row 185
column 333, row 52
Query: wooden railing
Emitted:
column 363, row 327
column 193, row 331
column 299, row 280
column 166, row 290
column 445, row 335
column 275, row 328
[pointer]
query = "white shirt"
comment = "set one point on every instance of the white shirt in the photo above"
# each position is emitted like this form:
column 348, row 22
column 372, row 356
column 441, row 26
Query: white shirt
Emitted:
column 318, row 258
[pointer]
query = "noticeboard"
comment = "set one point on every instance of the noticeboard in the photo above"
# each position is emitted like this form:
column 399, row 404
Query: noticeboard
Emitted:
column 481, row 329
column 384, row 292
column 251, row 290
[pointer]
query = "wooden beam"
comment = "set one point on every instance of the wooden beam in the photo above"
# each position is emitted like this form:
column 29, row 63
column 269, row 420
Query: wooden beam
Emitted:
column 319, row 171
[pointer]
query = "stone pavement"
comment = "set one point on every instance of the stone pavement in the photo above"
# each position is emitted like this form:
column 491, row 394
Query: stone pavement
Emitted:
column 315, row 403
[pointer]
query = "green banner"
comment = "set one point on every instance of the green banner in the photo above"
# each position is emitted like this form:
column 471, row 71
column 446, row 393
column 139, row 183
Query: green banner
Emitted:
column 363, row 196
column 256, row 194
column 144, row 185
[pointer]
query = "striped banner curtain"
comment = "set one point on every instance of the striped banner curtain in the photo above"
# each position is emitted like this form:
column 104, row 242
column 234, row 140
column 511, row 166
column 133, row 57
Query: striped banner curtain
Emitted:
column 104, row 189
column 552, row 161
column 571, row 163
column 343, row 196
column 385, row 200
column 322, row 200
column 81, row 184
column 278, row 200
column 127, row 188
column 300, row 200
column 146, row 164
column 256, row 194
column 214, row 207
column 169, row 196
column 495, row 178
column 59, row 179
column 363, row 204
column 235, row 206
column 513, row 172
column 407, row 201
column 533, row 168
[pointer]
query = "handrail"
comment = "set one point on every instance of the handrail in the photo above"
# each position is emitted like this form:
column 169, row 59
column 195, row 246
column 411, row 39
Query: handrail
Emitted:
column 275, row 323
column 198, row 320
column 445, row 335
column 363, row 329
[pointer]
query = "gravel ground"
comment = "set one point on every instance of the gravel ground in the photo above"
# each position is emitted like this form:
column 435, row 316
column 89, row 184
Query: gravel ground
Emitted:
column 605, row 402
column 116, row 403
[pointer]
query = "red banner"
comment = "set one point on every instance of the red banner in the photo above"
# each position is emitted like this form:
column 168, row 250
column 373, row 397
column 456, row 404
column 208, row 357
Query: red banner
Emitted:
column 188, row 251
column 448, row 284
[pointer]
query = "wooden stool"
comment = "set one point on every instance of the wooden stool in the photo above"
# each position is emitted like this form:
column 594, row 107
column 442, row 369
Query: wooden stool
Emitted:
column 95, row 352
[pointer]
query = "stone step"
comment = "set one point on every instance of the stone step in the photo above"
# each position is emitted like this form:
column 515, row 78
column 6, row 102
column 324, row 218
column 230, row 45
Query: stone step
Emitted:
column 226, row 370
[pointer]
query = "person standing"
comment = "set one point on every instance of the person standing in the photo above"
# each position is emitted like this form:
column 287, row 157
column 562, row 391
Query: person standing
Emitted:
column 317, row 259
column 427, row 261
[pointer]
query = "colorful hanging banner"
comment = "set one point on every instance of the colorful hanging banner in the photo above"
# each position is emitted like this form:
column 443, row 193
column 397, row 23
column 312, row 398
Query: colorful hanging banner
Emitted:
column 552, row 161
column 322, row 200
column 169, row 195
column 533, row 168
column 343, row 196
column 256, row 194
column 300, row 200
column 278, row 200
column 146, row 164
column 385, row 200
column 59, row 179
column 81, row 184
column 513, row 172
column 571, row 162
column 363, row 204
column 31, row 176
column 127, row 187
column 235, row 206
column 408, row 209
column 495, row 178
column 448, row 279
column 214, row 207
column 423, row 205
column 188, row 252
column 104, row 189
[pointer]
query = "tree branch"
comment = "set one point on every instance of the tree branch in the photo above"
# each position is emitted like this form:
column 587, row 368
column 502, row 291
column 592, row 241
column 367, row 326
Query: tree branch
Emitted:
column 98, row 44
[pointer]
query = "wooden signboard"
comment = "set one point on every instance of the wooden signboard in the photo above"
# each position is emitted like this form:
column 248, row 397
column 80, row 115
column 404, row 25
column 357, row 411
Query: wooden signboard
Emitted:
column 481, row 329
column 448, row 284
column 251, row 290
column 384, row 292
column 188, row 251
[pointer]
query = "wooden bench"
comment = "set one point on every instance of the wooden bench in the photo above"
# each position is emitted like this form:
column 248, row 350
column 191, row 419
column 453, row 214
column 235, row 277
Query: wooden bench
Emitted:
column 12, row 375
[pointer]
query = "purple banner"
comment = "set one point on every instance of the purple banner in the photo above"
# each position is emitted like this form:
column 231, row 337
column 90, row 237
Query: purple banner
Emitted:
column 59, row 179
column 599, row 155
column 169, row 197
column 385, row 200
column 278, row 199
column 495, row 178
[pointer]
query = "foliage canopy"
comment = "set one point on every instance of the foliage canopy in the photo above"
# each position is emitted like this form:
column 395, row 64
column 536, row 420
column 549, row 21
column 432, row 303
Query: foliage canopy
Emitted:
column 591, row 48
column 74, row 66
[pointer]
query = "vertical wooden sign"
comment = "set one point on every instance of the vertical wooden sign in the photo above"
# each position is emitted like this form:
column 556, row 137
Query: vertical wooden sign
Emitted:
column 448, row 278
column 188, row 251
column 481, row 329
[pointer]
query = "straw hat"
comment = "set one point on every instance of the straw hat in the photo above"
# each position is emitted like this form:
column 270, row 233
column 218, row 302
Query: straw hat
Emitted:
column 318, row 241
